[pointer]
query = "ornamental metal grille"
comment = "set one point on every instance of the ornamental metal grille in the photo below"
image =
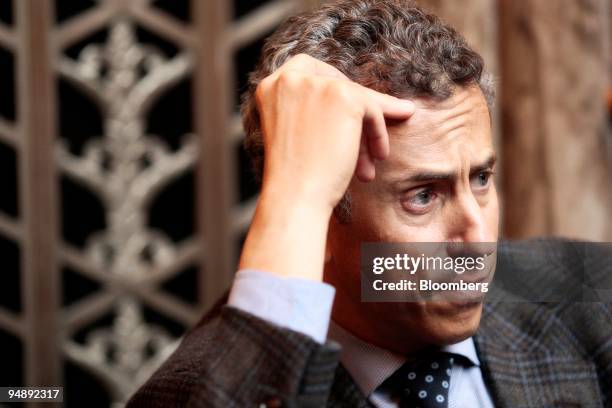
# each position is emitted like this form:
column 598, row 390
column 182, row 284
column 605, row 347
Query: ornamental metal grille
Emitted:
column 126, row 194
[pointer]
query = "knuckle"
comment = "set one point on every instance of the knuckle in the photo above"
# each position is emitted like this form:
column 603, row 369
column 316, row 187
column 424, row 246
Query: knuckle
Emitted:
column 295, row 82
column 262, row 89
column 265, row 83
column 342, row 93
column 287, row 79
column 337, row 90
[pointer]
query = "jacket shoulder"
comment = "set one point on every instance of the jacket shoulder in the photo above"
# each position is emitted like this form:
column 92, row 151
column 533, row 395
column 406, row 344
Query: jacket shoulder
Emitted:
column 233, row 358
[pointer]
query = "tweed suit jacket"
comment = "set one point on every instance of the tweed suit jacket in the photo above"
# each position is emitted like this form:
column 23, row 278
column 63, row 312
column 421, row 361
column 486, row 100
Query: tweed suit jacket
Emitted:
column 546, row 354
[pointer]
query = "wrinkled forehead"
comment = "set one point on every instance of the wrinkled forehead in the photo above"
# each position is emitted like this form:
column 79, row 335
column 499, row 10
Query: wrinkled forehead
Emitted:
column 441, row 131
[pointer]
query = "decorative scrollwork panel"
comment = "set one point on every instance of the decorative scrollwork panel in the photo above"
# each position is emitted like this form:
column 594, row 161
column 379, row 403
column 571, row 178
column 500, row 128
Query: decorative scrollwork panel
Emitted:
column 120, row 136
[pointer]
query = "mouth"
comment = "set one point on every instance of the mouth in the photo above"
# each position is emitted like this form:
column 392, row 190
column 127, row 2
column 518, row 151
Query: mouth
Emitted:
column 466, row 297
column 473, row 277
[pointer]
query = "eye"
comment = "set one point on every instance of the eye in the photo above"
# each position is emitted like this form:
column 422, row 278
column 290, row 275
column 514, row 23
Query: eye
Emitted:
column 423, row 197
column 481, row 180
column 420, row 200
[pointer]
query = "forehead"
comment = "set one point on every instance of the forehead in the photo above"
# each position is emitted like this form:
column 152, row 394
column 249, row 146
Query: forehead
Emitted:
column 441, row 134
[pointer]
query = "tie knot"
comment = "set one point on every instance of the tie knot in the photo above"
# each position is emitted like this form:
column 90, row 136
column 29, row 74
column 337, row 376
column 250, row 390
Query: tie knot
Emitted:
column 426, row 381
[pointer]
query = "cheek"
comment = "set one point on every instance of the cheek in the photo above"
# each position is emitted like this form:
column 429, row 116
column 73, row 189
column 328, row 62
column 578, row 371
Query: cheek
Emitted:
column 386, row 223
column 492, row 214
column 374, row 221
column 379, row 219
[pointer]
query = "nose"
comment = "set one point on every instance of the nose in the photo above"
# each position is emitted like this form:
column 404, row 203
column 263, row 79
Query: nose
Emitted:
column 468, row 226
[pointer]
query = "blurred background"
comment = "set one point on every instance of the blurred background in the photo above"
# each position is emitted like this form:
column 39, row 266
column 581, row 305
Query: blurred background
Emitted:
column 126, row 194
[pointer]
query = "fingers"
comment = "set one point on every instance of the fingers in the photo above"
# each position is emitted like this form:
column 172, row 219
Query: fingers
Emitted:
column 374, row 143
column 365, row 169
column 392, row 107
column 375, row 138
column 373, row 105
column 375, row 133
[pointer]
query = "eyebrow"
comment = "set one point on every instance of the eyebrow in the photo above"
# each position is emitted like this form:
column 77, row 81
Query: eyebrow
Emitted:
column 436, row 176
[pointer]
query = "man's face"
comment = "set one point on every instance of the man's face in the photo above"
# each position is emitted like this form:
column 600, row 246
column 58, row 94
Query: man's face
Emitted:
column 436, row 186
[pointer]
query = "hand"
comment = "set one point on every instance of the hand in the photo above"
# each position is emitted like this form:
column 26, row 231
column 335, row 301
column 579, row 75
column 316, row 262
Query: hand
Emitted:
column 319, row 129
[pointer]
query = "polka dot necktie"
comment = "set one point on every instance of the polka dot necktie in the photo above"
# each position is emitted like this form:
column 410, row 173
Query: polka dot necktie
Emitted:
column 426, row 382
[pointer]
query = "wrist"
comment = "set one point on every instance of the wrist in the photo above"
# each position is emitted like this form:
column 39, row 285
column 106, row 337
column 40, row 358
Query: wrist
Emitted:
column 287, row 235
column 296, row 197
column 313, row 192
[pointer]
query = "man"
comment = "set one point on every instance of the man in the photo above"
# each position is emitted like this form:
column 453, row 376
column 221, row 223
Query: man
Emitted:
column 374, row 121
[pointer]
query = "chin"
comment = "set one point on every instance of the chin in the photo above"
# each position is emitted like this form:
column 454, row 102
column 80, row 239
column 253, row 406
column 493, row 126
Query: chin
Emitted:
column 422, row 325
column 450, row 322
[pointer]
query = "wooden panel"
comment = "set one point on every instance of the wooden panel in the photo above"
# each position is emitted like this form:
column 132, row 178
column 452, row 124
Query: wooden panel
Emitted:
column 212, row 113
column 554, row 77
column 40, row 285
column 82, row 51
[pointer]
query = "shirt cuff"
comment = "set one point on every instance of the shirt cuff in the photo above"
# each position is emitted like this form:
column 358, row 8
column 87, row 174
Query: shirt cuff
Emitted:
column 302, row 305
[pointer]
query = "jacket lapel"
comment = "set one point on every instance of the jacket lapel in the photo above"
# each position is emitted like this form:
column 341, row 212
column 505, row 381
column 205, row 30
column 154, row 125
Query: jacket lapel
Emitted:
column 345, row 392
column 528, row 359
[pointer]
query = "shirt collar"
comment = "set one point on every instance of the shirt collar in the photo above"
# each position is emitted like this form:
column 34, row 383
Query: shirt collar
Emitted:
column 370, row 365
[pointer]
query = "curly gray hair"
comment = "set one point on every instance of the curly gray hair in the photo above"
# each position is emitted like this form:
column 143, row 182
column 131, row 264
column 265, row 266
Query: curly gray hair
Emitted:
column 391, row 46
